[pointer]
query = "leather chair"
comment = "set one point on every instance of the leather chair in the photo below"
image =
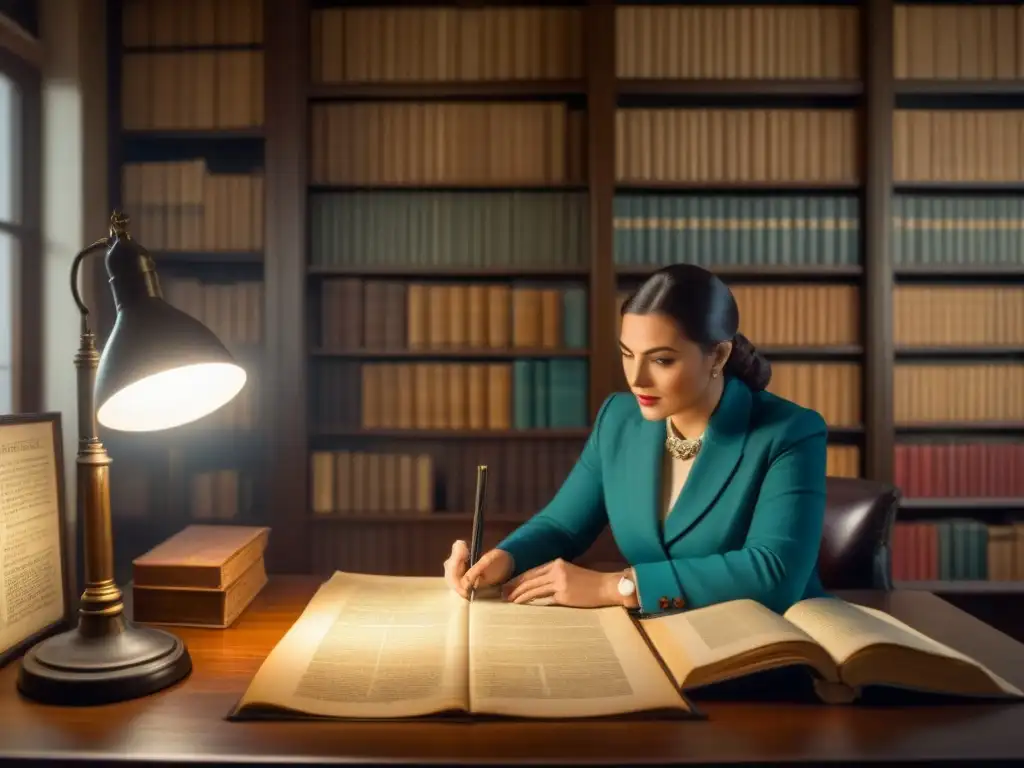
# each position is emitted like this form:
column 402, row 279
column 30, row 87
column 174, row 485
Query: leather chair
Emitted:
column 855, row 550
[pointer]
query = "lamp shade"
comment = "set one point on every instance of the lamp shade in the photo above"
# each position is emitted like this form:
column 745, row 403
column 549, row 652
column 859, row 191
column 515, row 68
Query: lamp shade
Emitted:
column 161, row 367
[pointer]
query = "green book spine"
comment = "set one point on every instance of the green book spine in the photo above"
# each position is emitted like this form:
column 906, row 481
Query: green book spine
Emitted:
column 523, row 407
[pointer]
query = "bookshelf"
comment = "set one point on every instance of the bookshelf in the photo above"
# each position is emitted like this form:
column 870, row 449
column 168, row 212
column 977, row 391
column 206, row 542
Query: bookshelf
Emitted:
column 458, row 196
column 958, row 299
column 187, row 113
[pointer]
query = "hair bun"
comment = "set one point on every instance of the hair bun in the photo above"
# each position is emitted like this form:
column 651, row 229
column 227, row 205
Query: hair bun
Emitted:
column 748, row 365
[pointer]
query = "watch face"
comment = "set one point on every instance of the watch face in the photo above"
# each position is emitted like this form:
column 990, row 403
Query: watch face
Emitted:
column 626, row 586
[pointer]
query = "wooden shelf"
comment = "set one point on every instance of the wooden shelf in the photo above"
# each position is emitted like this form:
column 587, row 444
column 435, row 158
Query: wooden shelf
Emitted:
column 203, row 134
column 811, row 352
column 445, row 90
column 440, row 273
column 457, row 434
column 727, row 186
column 965, row 587
column 965, row 504
column 739, row 87
column 211, row 48
column 981, row 351
column 458, row 354
column 959, row 87
column 207, row 257
column 479, row 188
column 957, row 186
column 961, row 427
column 954, row 271
column 757, row 271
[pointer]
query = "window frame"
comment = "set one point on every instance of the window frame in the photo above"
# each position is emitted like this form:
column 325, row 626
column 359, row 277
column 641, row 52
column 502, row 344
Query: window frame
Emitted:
column 27, row 347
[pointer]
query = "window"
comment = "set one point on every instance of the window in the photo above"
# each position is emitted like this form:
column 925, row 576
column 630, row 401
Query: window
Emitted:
column 20, row 268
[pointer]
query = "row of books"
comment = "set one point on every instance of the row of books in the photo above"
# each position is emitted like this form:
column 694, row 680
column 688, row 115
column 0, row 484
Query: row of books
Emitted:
column 734, row 230
column 958, row 392
column 479, row 395
column 957, row 550
column 680, row 42
column 962, row 145
column 550, row 229
column 704, row 144
column 449, row 229
column 146, row 23
column 233, row 311
column 988, row 40
column 359, row 45
column 180, row 205
column 541, row 143
column 523, row 475
column 960, row 469
column 441, row 396
column 947, row 230
column 197, row 90
column 222, row 494
column 361, row 482
column 439, row 142
column 961, row 315
column 393, row 316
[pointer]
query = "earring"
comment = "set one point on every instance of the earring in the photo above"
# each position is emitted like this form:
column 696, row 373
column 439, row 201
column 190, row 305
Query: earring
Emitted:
column 714, row 374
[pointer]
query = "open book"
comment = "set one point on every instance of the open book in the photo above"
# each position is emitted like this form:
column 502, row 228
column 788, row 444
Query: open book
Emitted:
column 385, row 647
column 848, row 647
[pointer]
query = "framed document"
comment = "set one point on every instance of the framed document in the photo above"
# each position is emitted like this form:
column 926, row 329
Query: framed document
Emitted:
column 34, row 579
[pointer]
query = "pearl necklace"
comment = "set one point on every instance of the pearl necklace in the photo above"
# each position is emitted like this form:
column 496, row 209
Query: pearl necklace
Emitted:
column 680, row 448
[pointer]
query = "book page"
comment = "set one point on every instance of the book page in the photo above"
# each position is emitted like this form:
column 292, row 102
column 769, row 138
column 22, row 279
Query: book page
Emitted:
column 846, row 630
column 537, row 661
column 730, row 639
column 370, row 647
column 31, row 572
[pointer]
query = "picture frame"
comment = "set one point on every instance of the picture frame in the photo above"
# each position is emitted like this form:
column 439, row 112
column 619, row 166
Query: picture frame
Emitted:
column 32, row 475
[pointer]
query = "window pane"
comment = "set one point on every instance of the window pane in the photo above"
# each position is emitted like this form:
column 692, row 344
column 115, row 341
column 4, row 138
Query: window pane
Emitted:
column 10, row 150
column 8, row 311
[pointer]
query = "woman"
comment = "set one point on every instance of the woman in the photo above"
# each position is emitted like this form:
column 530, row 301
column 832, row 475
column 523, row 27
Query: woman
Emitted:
column 714, row 488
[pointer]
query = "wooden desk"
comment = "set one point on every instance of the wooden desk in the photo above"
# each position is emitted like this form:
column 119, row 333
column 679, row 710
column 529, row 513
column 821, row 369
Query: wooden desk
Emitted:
column 186, row 724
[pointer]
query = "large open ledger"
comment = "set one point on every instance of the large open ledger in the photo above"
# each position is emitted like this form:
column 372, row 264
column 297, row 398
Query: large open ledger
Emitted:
column 383, row 647
column 386, row 647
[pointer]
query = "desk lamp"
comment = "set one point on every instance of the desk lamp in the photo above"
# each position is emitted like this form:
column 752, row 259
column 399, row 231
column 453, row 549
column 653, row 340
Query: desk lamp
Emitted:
column 160, row 368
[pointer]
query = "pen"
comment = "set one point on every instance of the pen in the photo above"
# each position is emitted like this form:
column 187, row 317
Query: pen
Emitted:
column 478, row 520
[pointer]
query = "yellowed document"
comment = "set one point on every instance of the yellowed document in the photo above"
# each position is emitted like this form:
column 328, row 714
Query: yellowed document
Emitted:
column 371, row 647
column 31, row 588
column 562, row 662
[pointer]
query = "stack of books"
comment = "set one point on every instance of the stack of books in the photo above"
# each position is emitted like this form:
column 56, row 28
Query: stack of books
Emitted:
column 204, row 576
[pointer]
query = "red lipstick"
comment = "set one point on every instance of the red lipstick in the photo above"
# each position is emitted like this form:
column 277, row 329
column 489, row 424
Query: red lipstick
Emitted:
column 646, row 400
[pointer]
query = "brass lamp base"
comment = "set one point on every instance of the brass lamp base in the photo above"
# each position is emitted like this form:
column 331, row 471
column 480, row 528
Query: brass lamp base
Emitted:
column 75, row 668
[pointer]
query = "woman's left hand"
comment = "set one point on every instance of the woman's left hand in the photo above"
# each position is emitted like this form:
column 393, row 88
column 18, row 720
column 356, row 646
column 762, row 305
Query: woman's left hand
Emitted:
column 566, row 584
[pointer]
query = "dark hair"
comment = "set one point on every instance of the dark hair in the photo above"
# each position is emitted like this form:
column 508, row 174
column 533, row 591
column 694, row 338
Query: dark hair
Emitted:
column 704, row 308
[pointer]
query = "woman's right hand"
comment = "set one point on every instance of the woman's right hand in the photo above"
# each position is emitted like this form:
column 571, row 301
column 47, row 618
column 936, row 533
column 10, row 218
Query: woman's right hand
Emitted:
column 493, row 567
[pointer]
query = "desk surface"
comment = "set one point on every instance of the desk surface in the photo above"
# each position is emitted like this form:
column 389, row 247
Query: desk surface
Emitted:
column 186, row 723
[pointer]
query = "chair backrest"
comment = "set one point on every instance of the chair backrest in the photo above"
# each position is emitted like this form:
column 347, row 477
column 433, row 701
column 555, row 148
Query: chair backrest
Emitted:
column 855, row 545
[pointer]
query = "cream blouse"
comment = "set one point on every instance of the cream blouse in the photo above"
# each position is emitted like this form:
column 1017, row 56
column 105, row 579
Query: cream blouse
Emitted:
column 674, row 473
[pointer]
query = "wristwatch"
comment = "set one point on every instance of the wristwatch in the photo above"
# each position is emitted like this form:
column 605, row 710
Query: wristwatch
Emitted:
column 626, row 586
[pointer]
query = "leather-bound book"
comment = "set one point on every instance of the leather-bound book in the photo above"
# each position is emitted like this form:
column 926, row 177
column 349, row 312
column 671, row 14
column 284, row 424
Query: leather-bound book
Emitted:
column 188, row 606
column 205, row 576
column 201, row 556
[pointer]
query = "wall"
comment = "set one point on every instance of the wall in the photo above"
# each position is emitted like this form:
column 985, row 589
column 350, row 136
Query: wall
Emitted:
column 74, row 195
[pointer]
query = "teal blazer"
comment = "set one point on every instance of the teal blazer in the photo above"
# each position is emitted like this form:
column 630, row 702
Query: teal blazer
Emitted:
column 747, row 523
